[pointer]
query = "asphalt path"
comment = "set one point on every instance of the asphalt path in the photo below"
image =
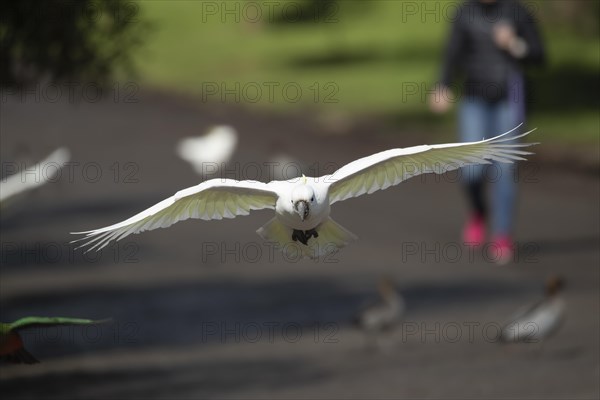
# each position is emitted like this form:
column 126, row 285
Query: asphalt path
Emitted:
column 207, row 309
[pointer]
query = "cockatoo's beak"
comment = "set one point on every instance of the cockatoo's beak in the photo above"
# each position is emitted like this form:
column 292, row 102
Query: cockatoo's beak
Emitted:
column 301, row 207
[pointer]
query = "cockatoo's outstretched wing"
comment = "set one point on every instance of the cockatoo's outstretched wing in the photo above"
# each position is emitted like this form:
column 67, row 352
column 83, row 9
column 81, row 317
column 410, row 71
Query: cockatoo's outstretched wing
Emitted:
column 388, row 168
column 213, row 199
column 46, row 170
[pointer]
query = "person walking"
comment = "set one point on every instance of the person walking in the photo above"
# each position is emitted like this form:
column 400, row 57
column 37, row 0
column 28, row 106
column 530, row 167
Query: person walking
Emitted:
column 490, row 42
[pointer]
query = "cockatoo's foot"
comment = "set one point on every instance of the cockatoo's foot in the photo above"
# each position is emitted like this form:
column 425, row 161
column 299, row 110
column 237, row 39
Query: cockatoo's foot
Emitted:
column 300, row 236
column 311, row 233
column 303, row 236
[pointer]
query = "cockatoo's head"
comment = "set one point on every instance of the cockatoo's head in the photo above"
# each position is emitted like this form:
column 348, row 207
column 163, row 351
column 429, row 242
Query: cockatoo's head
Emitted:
column 303, row 197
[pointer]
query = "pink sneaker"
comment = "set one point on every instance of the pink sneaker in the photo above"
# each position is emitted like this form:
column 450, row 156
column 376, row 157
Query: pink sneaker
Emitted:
column 474, row 232
column 501, row 250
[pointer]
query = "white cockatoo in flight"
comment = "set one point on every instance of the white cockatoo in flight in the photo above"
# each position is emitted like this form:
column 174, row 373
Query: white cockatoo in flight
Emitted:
column 207, row 153
column 302, row 205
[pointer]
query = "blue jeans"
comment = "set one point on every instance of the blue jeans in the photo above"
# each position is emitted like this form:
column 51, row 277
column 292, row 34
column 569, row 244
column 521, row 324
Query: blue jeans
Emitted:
column 480, row 119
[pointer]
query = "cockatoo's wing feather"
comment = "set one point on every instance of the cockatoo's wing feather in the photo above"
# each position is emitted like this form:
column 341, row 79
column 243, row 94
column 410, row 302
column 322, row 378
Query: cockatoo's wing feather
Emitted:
column 382, row 170
column 213, row 199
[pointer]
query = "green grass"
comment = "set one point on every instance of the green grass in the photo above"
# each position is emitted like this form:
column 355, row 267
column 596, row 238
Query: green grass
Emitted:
column 370, row 60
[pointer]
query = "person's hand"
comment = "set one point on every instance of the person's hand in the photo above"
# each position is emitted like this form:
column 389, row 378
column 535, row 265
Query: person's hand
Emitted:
column 507, row 39
column 504, row 35
column 439, row 100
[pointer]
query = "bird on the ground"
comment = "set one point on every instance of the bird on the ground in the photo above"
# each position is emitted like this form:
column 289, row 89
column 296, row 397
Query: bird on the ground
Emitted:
column 385, row 313
column 537, row 322
column 302, row 205
column 37, row 175
column 208, row 153
column 12, row 348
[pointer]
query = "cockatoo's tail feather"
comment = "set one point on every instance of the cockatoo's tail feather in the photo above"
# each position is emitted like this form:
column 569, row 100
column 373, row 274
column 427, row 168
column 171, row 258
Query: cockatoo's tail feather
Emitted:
column 332, row 237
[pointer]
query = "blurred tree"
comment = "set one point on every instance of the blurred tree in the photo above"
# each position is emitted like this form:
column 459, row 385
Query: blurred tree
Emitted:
column 62, row 39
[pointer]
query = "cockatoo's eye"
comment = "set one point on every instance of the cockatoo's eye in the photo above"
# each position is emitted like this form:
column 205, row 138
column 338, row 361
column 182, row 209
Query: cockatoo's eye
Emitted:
column 312, row 198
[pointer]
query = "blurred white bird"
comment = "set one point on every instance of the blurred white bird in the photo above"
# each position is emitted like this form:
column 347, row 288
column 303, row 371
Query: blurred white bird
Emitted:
column 209, row 152
column 537, row 322
column 302, row 205
column 385, row 313
column 36, row 175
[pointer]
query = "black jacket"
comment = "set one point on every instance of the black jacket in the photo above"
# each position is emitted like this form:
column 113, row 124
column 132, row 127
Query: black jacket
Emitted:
column 472, row 52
